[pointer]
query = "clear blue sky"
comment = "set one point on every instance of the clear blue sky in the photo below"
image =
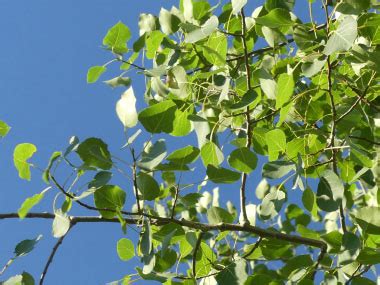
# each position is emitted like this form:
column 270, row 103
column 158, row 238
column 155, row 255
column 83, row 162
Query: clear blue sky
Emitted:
column 47, row 47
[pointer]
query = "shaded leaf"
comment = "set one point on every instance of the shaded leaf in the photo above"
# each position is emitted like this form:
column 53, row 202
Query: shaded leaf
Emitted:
column 94, row 153
column 110, row 197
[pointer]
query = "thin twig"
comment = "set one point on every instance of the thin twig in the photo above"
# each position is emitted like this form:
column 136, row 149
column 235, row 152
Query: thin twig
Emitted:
column 51, row 256
column 364, row 139
column 254, row 121
column 334, row 117
column 10, row 261
column 360, row 98
column 230, row 34
column 175, row 200
column 256, row 246
column 319, row 260
column 196, row 248
column 353, row 275
column 134, row 174
column 132, row 64
column 244, row 176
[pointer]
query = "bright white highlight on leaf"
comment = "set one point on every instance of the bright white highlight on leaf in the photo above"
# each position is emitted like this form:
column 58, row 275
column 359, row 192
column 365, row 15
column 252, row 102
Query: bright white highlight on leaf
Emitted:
column 207, row 29
column 344, row 37
column 237, row 5
column 61, row 224
column 126, row 109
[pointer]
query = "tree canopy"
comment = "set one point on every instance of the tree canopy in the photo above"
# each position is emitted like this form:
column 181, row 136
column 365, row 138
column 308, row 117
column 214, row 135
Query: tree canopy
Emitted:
column 283, row 113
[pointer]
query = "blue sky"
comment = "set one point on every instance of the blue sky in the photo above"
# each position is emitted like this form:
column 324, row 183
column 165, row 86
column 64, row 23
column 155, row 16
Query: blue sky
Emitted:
column 47, row 47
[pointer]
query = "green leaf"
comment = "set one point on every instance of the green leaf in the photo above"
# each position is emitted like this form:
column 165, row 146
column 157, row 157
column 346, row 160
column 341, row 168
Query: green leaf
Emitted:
column 276, row 18
column 234, row 273
column 211, row 154
column 53, row 158
column 330, row 191
column 126, row 109
column 285, row 89
column 24, row 279
column 333, row 240
column 368, row 219
column 94, row 73
column 297, row 262
column 153, row 42
column 222, row 175
column 61, row 224
column 125, row 249
column 146, row 239
column 343, row 38
column 21, row 154
column 248, row 98
column 117, row 37
column 165, row 260
column 237, row 5
column 181, row 124
column 109, row 197
column 309, row 69
column 184, row 155
column 309, row 201
column 242, row 159
column 286, row 4
column 369, row 256
column 276, row 141
column 27, row 279
column 262, row 279
column 26, row 246
column 216, row 215
column 94, row 153
column 168, row 21
column 362, row 281
column 100, row 179
column 148, row 186
column 118, row 81
column 159, row 117
column 303, row 38
column 153, row 155
column 29, row 203
column 202, row 32
column 215, row 49
column 4, row 129
column 204, row 260
column 278, row 169
column 267, row 84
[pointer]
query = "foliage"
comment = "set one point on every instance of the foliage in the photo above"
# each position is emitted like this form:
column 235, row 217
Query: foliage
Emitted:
column 301, row 115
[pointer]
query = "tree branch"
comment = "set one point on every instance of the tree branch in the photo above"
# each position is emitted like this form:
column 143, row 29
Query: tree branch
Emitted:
column 319, row 260
column 206, row 227
column 51, row 256
column 334, row 117
column 134, row 175
column 244, row 176
column 159, row 221
column 175, row 201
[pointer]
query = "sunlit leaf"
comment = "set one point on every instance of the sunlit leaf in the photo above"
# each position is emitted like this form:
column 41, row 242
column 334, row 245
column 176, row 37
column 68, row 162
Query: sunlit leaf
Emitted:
column 22, row 153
